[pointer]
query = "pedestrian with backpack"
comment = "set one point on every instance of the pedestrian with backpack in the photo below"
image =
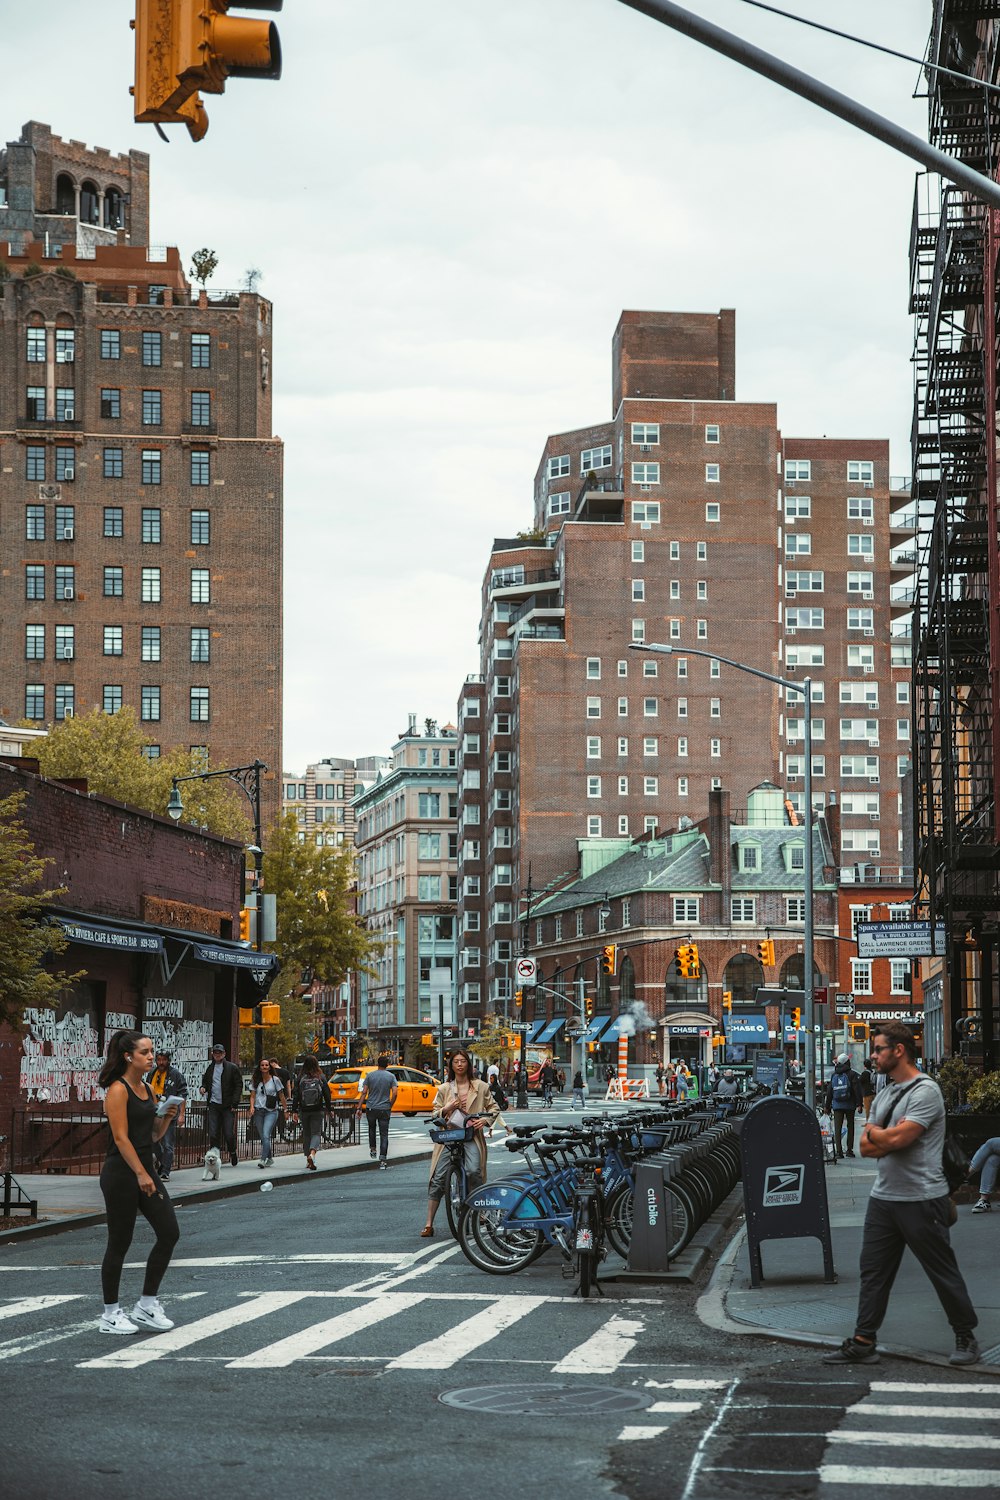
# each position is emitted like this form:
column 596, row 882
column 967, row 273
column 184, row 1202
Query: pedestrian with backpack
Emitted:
column 843, row 1097
column 311, row 1104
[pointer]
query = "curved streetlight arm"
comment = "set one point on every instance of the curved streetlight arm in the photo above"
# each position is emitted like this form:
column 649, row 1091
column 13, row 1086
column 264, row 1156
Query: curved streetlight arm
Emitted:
column 247, row 778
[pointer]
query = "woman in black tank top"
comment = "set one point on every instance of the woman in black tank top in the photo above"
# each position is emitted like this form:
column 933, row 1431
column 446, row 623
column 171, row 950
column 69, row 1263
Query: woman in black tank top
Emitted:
column 130, row 1183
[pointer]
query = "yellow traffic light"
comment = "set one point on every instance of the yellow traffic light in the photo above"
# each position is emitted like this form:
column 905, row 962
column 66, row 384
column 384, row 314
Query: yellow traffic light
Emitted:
column 270, row 1015
column 588, row 1006
column 727, row 999
column 183, row 46
column 246, row 1016
column 427, row 1040
column 245, row 924
column 858, row 1031
column 519, row 998
column 609, row 954
column 796, row 1016
column 688, row 962
column 765, row 952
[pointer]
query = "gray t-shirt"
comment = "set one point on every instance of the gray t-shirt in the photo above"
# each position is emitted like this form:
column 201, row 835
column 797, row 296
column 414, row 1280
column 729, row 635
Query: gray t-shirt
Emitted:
column 380, row 1084
column 215, row 1092
column 913, row 1174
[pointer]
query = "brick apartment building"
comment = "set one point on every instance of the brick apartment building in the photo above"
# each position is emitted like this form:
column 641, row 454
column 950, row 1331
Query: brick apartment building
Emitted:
column 140, row 483
column 407, row 882
column 687, row 519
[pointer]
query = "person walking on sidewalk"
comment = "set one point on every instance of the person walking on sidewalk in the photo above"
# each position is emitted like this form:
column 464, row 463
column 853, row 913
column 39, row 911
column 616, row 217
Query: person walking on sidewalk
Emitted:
column 843, row 1097
column 222, row 1085
column 377, row 1096
column 167, row 1082
column 311, row 1105
column 266, row 1096
column 460, row 1098
column 130, row 1184
column 986, row 1161
column 909, row 1204
column 867, row 1087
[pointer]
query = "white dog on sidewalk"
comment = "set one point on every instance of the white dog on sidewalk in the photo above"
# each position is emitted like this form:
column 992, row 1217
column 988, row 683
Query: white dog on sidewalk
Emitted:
column 213, row 1165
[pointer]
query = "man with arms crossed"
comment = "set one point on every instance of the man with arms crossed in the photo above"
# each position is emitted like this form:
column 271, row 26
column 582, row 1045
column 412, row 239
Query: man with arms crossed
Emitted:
column 909, row 1204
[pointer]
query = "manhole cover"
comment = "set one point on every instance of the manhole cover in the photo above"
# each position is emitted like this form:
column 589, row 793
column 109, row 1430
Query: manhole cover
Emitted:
column 544, row 1400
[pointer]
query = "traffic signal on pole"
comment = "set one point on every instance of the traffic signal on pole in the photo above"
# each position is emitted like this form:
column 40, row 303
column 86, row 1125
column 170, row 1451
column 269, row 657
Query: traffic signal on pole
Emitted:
column 796, row 1016
column 186, row 46
column 588, row 1006
column 244, row 924
column 270, row 1015
column 688, row 962
column 609, row 954
column 519, row 998
column 727, row 999
column 765, row 952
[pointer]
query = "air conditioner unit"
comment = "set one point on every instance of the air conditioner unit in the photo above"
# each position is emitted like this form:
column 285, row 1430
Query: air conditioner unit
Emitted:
column 868, row 520
column 68, row 534
column 793, row 739
column 69, row 414
column 869, row 632
column 645, row 448
column 67, row 713
column 791, row 630
column 873, row 817
column 645, row 487
column 867, row 669
column 869, row 597
column 645, row 525
column 66, row 654
column 873, row 781
column 67, row 593
column 69, row 472
column 873, row 744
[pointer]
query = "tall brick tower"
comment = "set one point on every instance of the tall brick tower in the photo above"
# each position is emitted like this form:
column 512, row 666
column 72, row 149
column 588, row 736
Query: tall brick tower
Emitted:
column 140, row 484
column 685, row 518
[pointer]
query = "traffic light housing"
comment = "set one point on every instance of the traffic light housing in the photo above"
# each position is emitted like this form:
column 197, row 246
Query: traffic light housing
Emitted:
column 858, row 1031
column 183, row 46
column 765, row 952
column 727, row 1000
column 796, row 1016
column 609, row 954
column 588, row 1006
column 270, row 1015
column 244, row 924
column 519, row 998
column 688, row 962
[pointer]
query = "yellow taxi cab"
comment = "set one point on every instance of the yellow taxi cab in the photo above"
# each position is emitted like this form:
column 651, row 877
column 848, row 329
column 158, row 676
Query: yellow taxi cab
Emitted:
column 416, row 1089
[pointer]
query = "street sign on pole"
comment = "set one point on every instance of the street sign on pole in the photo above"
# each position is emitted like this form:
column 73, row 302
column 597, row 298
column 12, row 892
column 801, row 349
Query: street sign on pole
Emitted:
column 526, row 970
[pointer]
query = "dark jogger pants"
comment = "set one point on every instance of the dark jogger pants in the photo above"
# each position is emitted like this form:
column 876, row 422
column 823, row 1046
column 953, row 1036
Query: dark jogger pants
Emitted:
column 123, row 1200
column 922, row 1226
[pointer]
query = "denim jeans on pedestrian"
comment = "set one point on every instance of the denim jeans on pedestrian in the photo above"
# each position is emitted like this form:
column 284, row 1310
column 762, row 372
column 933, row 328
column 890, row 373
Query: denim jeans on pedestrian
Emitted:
column 378, row 1119
column 222, row 1128
column 921, row 1225
column 267, row 1120
column 578, row 1098
column 164, row 1149
column 987, row 1161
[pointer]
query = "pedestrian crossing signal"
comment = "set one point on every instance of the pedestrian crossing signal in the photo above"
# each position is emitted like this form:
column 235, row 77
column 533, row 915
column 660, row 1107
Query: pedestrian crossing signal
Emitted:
column 270, row 1015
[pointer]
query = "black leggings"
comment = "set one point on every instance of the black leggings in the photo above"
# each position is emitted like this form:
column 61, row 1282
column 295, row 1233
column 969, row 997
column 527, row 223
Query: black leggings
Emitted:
column 123, row 1201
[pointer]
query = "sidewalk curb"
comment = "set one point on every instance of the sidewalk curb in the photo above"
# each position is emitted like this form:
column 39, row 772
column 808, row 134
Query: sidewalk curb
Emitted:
column 49, row 1227
column 711, row 1309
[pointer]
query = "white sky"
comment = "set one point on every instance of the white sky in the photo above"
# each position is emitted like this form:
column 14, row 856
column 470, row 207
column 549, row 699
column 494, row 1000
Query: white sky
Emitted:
column 450, row 202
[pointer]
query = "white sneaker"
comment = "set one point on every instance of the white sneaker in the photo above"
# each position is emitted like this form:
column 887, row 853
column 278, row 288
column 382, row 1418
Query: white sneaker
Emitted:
column 154, row 1318
column 116, row 1322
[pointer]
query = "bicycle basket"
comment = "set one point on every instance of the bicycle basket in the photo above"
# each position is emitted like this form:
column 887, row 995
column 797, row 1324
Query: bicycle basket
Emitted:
column 449, row 1136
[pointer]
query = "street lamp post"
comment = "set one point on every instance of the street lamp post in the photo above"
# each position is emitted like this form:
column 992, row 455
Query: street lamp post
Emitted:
column 803, row 687
column 248, row 779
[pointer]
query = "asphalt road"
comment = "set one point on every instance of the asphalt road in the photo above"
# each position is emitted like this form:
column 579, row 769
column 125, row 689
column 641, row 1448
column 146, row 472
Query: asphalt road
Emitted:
column 317, row 1335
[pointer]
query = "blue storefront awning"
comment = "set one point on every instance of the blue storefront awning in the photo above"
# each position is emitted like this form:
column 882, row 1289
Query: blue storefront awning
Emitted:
column 534, row 1028
column 551, row 1030
column 750, row 1027
column 614, row 1031
column 595, row 1028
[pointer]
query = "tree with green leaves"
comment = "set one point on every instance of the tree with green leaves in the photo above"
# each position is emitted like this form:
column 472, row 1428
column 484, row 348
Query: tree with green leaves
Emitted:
column 27, row 942
column 107, row 751
column 203, row 264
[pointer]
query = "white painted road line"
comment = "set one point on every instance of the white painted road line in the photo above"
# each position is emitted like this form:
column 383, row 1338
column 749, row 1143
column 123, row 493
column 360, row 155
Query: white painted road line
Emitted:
column 962, row 1479
column 677, row 1407
column 604, row 1351
column 636, row 1434
column 465, row 1338
column 28, row 1343
column 330, row 1331
column 684, row 1384
column 959, row 1440
column 932, row 1388
column 927, row 1413
column 37, row 1304
column 181, row 1338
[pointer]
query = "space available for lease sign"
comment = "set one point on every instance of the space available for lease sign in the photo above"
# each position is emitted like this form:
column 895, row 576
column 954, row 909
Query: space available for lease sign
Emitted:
column 899, row 939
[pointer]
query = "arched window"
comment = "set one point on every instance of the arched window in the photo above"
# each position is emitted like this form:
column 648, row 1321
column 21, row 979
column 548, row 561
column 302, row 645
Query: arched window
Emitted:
column 743, row 977
column 65, row 194
column 793, row 973
column 684, row 994
column 114, row 209
column 89, row 203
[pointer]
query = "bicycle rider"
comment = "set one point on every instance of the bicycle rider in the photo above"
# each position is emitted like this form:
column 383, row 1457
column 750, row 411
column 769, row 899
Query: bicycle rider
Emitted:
column 548, row 1081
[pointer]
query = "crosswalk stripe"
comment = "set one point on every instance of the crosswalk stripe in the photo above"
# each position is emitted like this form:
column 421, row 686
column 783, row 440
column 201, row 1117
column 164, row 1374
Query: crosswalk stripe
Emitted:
column 960, row 1440
column 966, row 1479
column 604, row 1351
column 448, row 1348
column 933, row 1388
column 203, row 1328
column 874, row 1409
column 676, row 1406
column 330, row 1331
column 36, row 1304
column 27, row 1343
column 636, row 1434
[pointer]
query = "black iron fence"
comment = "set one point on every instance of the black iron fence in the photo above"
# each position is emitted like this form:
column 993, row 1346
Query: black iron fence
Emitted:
column 73, row 1139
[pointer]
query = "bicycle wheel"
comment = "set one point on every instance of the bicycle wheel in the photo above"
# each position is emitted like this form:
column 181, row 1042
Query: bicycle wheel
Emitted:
column 488, row 1248
column 454, row 1195
column 618, row 1219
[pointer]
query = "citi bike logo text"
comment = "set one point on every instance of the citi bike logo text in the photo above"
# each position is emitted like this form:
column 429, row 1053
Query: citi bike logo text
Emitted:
column 652, row 1206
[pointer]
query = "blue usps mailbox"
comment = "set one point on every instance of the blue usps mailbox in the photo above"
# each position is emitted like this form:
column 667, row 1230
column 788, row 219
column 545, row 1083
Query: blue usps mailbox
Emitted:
column 784, row 1185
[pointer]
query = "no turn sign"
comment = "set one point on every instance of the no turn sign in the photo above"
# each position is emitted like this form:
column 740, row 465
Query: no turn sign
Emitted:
column 526, row 970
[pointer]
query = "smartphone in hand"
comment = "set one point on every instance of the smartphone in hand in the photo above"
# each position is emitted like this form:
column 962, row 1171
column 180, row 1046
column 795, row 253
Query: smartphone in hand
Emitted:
column 167, row 1102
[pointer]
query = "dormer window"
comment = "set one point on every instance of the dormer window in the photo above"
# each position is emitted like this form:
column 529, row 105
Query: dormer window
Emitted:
column 794, row 855
column 749, row 856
